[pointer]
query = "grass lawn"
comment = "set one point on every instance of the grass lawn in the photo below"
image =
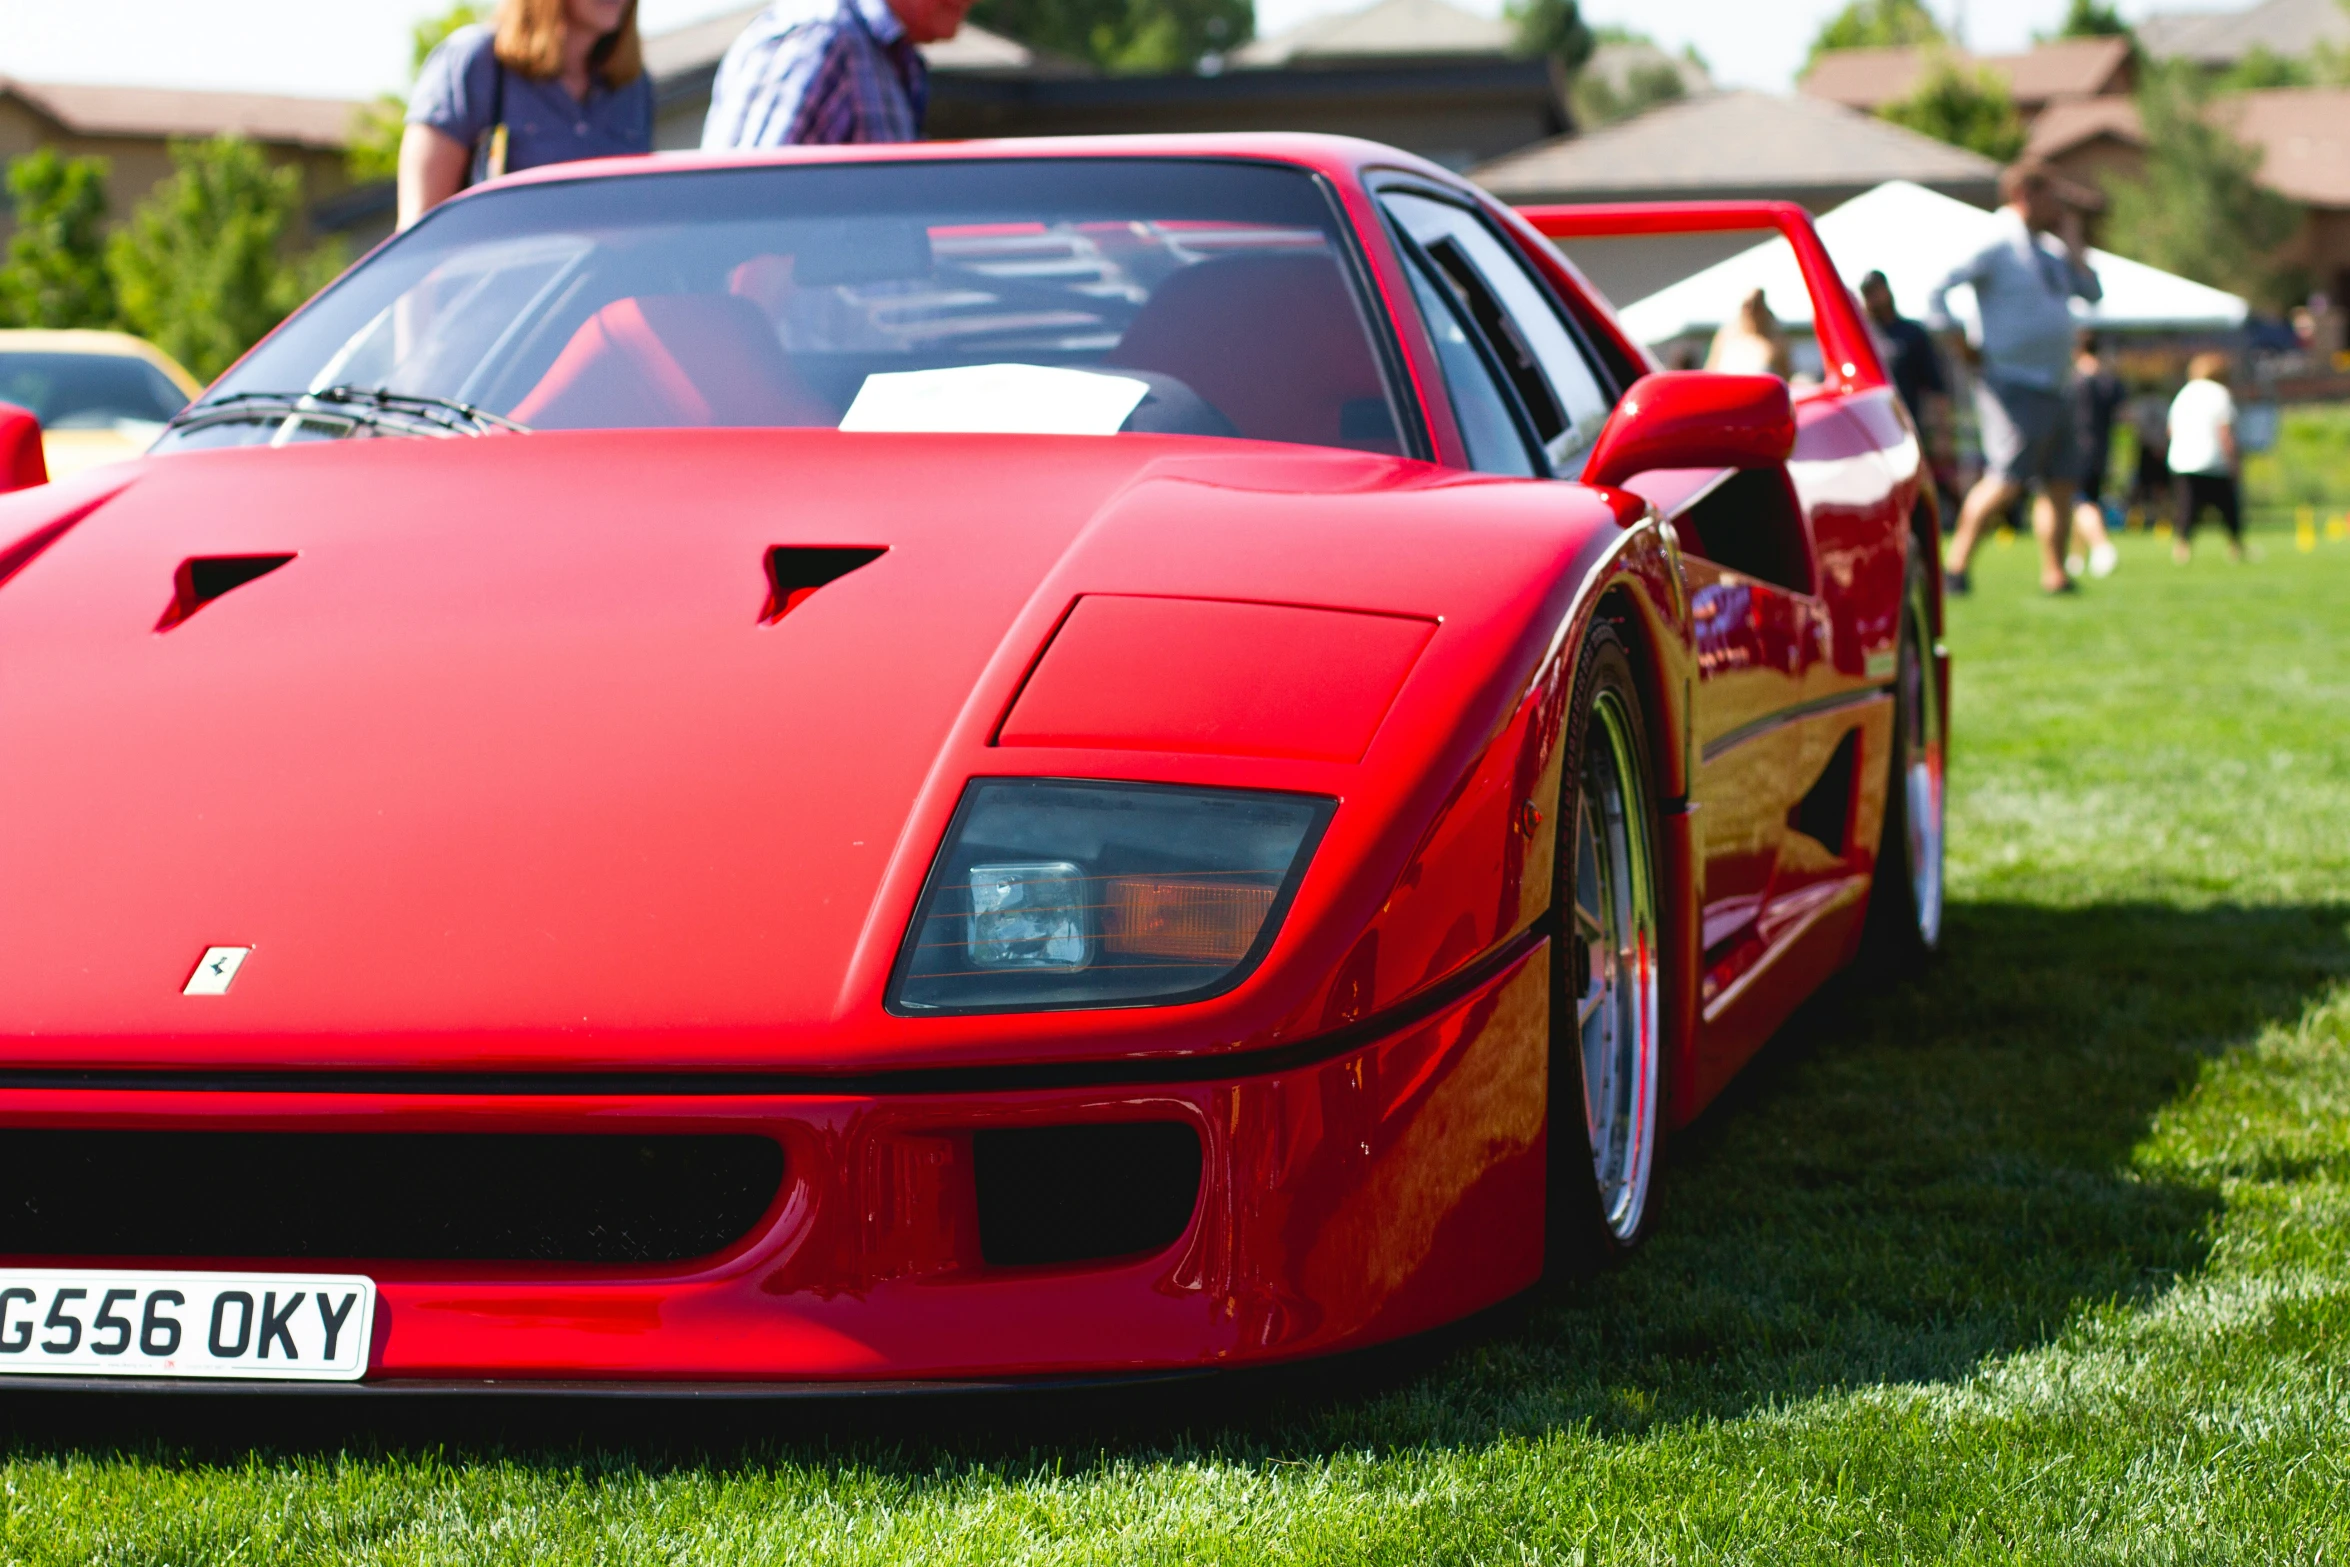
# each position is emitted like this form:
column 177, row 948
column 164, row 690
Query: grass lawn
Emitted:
column 2046, row 1259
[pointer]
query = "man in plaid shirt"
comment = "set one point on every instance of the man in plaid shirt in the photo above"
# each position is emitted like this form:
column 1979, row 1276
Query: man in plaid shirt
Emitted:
column 828, row 71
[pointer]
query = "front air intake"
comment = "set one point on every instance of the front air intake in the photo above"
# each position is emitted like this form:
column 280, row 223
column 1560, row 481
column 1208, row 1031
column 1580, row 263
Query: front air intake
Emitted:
column 204, row 578
column 437, row 1196
column 1084, row 1193
column 796, row 571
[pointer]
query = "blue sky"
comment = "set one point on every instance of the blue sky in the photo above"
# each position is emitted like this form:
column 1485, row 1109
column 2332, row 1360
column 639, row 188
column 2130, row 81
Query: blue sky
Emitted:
column 355, row 48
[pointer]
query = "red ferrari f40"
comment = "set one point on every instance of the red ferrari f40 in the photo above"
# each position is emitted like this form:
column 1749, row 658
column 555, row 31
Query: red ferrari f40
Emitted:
column 942, row 764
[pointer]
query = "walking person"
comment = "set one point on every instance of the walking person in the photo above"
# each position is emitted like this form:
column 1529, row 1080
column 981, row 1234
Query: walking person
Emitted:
column 827, row 72
column 1916, row 367
column 1750, row 342
column 2024, row 281
column 2097, row 398
column 2204, row 457
column 547, row 81
column 2150, row 485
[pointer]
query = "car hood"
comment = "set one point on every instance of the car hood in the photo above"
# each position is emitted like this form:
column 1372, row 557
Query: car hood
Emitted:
column 509, row 749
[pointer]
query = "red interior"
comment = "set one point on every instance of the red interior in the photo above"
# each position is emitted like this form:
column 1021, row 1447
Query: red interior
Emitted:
column 665, row 360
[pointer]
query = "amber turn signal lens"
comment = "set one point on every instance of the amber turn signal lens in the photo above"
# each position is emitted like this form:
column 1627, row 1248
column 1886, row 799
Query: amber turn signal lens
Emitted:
column 1201, row 922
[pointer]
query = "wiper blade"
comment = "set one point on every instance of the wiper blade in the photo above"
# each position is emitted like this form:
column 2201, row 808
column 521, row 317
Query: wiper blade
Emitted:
column 353, row 407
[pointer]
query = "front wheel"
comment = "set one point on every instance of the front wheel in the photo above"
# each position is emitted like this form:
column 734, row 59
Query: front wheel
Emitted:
column 1605, row 1065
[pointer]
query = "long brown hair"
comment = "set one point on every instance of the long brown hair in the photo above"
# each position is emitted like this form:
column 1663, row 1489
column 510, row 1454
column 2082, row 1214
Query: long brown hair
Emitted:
column 530, row 41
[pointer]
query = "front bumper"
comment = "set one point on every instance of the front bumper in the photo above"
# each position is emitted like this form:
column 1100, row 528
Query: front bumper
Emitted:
column 1389, row 1187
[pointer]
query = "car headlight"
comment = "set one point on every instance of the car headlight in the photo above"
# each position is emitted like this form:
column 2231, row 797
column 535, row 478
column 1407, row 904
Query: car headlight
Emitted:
column 1052, row 894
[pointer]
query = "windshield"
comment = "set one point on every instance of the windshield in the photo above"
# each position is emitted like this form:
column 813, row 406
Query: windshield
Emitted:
column 1068, row 296
column 69, row 391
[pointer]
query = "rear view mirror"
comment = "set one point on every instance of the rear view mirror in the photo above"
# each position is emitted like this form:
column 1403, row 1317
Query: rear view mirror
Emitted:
column 1694, row 419
column 21, row 464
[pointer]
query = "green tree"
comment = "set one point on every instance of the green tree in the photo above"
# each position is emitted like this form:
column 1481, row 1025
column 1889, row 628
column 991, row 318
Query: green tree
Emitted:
column 55, row 274
column 1127, row 36
column 1864, row 24
column 203, row 267
column 1552, row 28
column 2261, row 67
column 1967, row 107
column 1600, row 101
column 2093, row 19
column 2198, row 210
column 374, row 153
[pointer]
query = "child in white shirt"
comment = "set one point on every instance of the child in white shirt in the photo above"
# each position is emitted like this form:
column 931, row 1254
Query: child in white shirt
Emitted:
column 2203, row 454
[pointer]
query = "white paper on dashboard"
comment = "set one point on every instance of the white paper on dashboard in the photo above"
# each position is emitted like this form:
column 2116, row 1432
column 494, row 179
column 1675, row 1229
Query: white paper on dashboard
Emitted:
column 995, row 400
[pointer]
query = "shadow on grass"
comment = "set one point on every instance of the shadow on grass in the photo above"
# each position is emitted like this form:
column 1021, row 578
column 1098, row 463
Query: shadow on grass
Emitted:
column 1904, row 1183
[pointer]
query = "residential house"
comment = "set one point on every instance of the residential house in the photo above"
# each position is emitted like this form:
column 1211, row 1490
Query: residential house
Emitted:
column 2065, row 70
column 2217, row 40
column 132, row 127
column 2302, row 134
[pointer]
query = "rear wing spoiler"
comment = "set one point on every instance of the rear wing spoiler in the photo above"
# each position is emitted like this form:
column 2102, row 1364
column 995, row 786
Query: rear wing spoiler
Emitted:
column 1848, row 355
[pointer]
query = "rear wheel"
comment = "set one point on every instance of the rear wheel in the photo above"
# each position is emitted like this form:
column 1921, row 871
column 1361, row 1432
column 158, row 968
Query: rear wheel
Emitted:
column 1605, row 1063
column 1905, row 905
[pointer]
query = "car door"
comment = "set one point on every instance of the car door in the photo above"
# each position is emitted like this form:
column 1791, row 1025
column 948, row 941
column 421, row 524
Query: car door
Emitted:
column 1774, row 790
column 1761, row 637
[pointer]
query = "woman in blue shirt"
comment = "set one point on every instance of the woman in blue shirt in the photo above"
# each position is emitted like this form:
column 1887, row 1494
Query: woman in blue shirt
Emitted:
column 550, row 81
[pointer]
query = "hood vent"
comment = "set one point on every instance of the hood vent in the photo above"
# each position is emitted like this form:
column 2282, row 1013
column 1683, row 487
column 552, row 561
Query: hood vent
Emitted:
column 203, row 578
column 796, row 570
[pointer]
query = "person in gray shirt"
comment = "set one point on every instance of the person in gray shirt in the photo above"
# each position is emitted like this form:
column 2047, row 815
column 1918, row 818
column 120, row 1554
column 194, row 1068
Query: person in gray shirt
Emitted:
column 2024, row 280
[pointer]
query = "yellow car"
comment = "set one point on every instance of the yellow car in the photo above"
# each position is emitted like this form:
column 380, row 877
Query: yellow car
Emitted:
column 100, row 396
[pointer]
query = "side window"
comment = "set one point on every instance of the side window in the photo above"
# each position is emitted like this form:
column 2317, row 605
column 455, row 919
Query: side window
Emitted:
column 1489, row 426
column 1563, row 396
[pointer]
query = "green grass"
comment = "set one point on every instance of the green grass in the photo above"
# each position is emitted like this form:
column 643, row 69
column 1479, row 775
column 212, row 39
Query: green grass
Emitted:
column 2310, row 465
column 2045, row 1259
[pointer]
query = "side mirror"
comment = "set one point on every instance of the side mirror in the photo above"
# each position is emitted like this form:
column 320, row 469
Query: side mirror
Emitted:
column 21, row 464
column 1694, row 419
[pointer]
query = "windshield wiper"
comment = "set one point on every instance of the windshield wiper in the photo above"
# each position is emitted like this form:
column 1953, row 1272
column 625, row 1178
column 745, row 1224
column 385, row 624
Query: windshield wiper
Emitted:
column 352, row 407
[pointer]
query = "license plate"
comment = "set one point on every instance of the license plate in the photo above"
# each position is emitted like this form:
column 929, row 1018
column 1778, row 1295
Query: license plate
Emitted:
column 313, row 1327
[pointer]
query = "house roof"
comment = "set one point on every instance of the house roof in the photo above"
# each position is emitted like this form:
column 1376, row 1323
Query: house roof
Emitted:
column 1386, row 30
column 697, row 47
column 1726, row 143
column 2304, row 136
column 167, row 111
column 2221, row 38
column 2070, row 122
column 2066, row 68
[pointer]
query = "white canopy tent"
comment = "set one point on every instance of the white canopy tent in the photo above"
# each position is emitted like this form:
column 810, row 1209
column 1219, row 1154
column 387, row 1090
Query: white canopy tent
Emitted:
column 1914, row 236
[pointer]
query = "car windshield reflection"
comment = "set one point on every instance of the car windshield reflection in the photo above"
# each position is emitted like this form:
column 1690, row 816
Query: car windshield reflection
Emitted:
column 1047, row 296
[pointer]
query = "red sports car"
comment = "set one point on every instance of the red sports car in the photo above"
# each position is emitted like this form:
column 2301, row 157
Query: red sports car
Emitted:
column 948, row 763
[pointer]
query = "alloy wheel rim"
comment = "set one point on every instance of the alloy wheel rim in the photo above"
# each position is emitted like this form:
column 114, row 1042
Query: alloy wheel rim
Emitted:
column 1921, row 779
column 1615, row 951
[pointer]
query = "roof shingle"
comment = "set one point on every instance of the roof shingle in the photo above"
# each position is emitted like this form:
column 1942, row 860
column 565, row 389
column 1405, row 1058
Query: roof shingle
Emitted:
column 2067, row 68
column 1728, row 143
column 169, row 111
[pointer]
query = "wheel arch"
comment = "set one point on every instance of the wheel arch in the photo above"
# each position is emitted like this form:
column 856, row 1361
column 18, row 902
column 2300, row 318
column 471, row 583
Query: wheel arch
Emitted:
column 1646, row 600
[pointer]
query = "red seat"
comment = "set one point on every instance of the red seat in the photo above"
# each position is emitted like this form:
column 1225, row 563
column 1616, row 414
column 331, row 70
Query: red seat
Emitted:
column 657, row 360
column 1272, row 340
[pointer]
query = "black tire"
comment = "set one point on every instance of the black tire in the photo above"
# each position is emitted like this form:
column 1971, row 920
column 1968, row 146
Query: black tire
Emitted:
column 1606, row 1035
column 1905, row 903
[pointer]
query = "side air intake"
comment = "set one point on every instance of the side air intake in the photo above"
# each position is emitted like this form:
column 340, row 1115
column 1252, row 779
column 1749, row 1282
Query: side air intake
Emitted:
column 1825, row 811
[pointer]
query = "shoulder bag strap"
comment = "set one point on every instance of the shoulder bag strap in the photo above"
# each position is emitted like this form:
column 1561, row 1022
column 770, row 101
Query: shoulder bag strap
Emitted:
column 489, row 153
